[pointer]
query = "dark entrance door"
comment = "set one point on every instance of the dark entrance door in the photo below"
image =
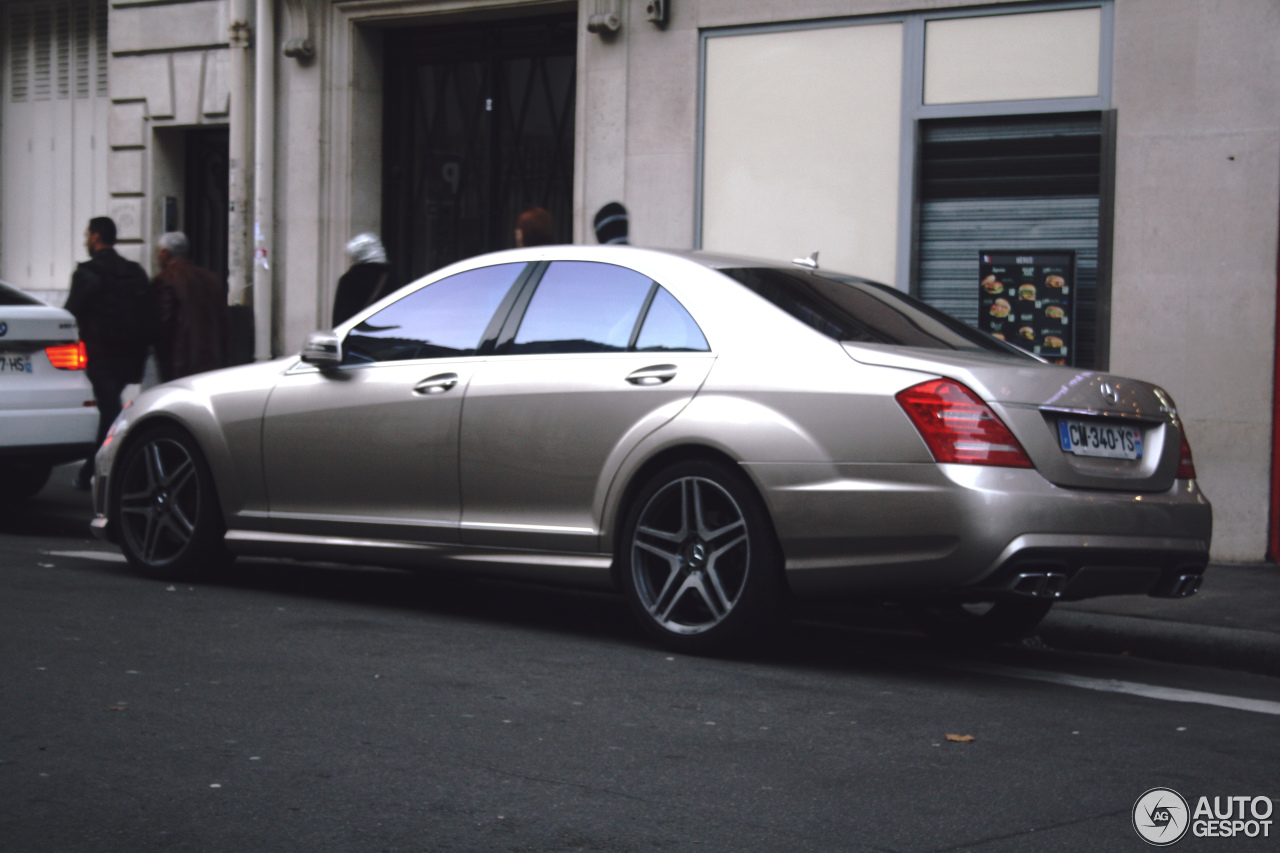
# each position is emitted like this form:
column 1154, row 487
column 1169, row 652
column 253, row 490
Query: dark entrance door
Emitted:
column 478, row 127
column 205, row 216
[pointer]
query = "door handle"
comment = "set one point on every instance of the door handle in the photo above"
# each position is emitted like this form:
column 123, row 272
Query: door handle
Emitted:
column 437, row 384
column 653, row 375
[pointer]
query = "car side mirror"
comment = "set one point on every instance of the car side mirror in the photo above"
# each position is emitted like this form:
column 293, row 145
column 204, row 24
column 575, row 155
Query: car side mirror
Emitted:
column 323, row 349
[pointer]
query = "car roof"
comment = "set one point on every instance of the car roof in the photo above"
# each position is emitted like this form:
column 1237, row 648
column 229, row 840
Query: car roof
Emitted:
column 721, row 260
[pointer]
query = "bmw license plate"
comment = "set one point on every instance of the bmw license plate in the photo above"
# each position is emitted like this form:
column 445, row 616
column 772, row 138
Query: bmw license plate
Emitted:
column 15, row 363
column 1084, row 438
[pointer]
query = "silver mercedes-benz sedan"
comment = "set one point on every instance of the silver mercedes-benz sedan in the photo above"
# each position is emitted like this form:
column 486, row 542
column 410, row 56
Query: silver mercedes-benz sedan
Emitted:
column 709, row 434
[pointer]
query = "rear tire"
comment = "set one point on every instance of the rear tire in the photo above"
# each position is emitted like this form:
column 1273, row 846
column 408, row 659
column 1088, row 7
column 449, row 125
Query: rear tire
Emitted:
column 700, row 565
column 23, row 481
column 1004, row 621
column 165, row 507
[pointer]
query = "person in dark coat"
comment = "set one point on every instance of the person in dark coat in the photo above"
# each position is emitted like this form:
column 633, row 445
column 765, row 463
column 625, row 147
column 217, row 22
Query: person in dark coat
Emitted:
column 368, row 280
column 192, row 304
column 111, row 300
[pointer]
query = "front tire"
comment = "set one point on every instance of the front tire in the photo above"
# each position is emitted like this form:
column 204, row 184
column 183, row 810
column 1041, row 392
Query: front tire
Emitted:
column 700, row 566
column 166, row 509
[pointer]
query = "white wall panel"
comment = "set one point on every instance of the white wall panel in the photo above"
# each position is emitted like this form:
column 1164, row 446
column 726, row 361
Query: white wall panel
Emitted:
column 53, row 148
column 801, row 146
column 1013, row 57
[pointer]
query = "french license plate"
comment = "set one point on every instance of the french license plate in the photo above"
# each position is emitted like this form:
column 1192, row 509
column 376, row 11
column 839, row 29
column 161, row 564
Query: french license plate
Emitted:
column 14, row 363
column 1085, row 438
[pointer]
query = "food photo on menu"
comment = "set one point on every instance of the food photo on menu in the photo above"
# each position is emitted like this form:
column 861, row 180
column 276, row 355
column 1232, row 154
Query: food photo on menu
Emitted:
column 1029, row 292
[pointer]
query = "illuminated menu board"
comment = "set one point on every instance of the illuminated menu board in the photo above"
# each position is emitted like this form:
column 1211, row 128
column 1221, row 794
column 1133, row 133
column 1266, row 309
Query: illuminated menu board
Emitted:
column 1028, row 299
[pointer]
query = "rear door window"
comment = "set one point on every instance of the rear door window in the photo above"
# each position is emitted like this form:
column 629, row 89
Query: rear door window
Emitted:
column 582, row 306
column 585, row 306
column 446, row 319
column 668, row 327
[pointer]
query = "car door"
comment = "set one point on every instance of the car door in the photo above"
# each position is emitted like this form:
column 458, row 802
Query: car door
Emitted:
column 370, row 449
column 600, row 358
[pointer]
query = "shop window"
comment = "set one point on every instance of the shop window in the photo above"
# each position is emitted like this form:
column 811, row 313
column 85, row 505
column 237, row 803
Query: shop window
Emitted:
column 801, row 145
column 1028, row 183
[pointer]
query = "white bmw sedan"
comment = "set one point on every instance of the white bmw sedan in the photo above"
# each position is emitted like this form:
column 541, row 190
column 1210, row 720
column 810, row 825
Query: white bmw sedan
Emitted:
column 708, row 434
column 47, row 411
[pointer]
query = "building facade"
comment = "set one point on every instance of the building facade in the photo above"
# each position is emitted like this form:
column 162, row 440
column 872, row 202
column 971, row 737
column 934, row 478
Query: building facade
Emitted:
column 1134, row 145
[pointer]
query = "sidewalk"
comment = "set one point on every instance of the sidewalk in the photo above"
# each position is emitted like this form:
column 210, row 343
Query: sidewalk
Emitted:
column 1233, row 622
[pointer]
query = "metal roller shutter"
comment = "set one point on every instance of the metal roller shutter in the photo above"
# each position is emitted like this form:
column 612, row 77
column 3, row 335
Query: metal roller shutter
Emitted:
column 1025, row 182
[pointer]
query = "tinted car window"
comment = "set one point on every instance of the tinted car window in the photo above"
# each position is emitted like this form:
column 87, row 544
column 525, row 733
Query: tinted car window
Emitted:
column 442, row 320
column 860, row 311
column 669, row 328
column 13, row 296
column 582, row 306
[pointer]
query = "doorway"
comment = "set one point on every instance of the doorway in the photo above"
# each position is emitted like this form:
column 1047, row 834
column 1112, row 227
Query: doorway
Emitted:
column 479, row 126
column 206, row 184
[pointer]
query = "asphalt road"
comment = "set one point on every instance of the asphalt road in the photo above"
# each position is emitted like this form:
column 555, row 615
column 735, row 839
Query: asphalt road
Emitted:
column 315, row 708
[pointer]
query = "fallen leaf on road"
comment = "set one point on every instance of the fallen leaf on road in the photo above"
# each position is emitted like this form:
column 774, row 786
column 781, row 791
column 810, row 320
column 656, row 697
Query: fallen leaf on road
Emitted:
column 117, row 708
column 960, row 738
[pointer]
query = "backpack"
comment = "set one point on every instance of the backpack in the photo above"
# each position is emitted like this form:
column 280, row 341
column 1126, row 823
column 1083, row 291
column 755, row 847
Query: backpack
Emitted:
column 126, row 316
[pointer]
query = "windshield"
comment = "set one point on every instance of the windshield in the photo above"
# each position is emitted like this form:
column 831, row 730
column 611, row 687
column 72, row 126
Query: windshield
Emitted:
column 854, row 310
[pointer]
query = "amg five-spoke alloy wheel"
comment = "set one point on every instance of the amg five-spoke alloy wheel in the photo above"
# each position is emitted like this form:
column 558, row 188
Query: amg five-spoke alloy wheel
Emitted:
column 701, row 566
column 166, row 511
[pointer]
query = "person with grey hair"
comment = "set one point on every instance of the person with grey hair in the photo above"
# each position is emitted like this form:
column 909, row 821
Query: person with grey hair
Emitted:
column 367, row 281
column 193, row 311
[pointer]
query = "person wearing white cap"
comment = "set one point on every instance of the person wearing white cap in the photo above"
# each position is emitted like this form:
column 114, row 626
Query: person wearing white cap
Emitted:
column 368, row 279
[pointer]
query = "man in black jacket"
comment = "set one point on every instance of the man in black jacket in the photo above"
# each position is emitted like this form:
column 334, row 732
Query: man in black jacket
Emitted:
column 112, row 302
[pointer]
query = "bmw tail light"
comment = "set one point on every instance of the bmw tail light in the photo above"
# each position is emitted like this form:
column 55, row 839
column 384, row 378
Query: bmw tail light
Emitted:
column 958, row 427
column 68, row 356
column 1186, row 465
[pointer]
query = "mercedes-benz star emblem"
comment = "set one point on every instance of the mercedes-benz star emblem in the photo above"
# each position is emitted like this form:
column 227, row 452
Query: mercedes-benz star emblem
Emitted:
column 1109, row 394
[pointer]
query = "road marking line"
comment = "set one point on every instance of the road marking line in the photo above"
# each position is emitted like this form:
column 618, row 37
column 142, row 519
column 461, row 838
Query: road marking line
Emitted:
column 1150, row 691
column 106, row 556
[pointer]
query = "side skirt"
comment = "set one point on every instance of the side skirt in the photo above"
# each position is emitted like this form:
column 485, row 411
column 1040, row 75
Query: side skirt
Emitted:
column 573, row 569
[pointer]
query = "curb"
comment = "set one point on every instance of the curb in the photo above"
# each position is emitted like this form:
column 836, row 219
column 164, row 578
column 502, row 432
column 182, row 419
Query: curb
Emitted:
column 1157, row 639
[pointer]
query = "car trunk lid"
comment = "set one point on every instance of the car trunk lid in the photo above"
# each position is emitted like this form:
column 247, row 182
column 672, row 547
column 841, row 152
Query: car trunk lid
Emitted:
column 1039, row 401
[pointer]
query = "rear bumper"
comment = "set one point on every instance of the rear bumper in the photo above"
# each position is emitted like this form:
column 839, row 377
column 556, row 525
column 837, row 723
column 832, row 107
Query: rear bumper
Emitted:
column 930, row 531
column 1062, row 567
column 32, row 428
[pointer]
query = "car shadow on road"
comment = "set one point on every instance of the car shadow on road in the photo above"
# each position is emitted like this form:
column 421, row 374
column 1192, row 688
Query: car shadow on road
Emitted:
column 831, row 638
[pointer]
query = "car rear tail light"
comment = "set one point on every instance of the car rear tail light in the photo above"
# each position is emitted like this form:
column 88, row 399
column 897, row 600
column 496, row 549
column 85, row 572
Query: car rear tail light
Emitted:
column 1186, row 465
column 958, row 427
column 68, row 356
